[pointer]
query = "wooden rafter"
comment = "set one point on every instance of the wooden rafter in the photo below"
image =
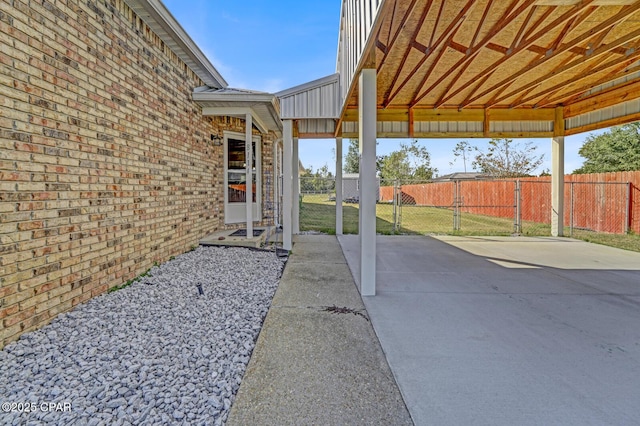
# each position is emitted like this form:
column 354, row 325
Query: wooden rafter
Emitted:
column 474, row 50
column 621, row 16
column 427, row 52
column 499, row 92
column 479, row 27
column 514, row 45
column 521, row 31
column 473, row 41
column 527, row 43
column 435, row 26
column 480, row 83
column 392, row 41
column 602, row 50
column 556, row 95
column 541, row 20
column 447, row 33
column 450, row 33
column 578, row 95
column 424, row 14
column 613, row 96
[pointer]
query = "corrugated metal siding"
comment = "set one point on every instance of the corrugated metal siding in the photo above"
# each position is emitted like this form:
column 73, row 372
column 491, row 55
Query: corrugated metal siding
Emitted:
column 614, row 83
column 349, row 127
column 357, row 21
column 401, row 128
column 398, row 127
column 521, row 126
column 447, row 126
column 317, row 126
column 317, row 102
column 604, row 114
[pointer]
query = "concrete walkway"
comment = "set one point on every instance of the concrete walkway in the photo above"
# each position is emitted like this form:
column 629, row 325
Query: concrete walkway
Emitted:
column 508, row 331
column 314, row 365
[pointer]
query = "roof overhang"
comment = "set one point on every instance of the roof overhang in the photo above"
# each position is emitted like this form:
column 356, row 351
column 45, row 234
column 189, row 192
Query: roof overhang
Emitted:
column 162, row 22
column 263, row 107
column 488, row 68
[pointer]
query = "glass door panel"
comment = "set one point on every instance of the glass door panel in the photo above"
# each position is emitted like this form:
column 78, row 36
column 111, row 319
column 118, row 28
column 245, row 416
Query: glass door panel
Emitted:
column 236, row 179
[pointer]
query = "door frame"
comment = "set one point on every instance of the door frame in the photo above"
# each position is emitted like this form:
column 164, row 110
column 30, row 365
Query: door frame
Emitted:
column 236, row 212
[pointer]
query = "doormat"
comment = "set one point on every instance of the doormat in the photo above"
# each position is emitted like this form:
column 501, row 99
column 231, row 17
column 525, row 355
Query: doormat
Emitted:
column 243, row 233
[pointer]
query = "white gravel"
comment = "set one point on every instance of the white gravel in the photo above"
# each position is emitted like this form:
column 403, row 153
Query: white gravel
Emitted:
column 156, row 352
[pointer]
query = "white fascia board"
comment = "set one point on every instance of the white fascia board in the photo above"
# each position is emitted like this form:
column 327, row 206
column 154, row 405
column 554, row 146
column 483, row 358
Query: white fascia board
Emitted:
column 330, row 79
column 158, row 17
column 233, row 97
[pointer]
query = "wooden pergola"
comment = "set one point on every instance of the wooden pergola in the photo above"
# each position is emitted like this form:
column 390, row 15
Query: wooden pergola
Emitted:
column 476, row 68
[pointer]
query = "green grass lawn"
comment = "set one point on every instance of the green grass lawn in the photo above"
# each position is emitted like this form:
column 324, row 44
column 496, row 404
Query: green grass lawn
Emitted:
column 317, row 213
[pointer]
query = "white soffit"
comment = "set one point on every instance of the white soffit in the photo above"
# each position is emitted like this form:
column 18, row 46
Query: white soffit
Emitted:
column 162, row 22
column 230, row 102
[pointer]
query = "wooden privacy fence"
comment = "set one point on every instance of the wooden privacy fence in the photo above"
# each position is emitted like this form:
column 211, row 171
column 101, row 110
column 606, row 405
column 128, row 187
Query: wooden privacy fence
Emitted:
column 603, row 202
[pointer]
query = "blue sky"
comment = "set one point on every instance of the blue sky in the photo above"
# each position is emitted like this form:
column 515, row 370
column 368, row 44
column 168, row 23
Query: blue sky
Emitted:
column 274, row 45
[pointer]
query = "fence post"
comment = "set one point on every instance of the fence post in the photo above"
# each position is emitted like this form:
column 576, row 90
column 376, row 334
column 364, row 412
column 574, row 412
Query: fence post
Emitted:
column 571, row 208
column 399, row 211
column 518, row 219
column 627, row 210
column 456, row 205
column 395, row 206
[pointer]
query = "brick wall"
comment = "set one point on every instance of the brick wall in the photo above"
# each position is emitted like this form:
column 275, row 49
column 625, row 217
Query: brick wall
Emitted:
column 106, row 164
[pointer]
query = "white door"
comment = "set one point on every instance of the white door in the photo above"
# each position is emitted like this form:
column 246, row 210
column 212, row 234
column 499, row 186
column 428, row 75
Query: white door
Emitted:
column 235, row 178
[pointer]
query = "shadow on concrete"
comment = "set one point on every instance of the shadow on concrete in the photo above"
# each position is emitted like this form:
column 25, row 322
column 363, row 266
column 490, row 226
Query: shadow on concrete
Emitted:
column 503, row 331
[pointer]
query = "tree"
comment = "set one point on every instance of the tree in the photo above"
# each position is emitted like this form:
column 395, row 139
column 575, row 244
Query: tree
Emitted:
column 352, row 159
column 504, row 158
column 614, row 151
column 321, row 180
column 463, row 149
column 411, row 162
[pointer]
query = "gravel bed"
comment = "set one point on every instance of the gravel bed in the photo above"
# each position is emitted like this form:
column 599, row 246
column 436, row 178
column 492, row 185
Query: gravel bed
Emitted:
column 155, row 352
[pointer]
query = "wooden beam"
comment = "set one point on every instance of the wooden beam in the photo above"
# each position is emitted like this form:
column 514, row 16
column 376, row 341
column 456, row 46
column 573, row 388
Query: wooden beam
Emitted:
column 431, row 114
column 613, row 96
column 462, row 70
column 386, row 101
column 474, row 50
column 527, row 44
column 392, row 40
column 588, row 73
column 524, row 45
column 519, row 135
column 482, row 20
column 596, row 53
column 522, row 114
column 630, row 118
column 446, row 35
column 558, row 122
column 456, row 135
column 579, row 94
column 411, row 123
column 442, row 41
column 521, row 32
column 621, row 16
column 486, row 123
column 316, row 135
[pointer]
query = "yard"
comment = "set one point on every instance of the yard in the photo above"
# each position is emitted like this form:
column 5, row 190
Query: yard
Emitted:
column 317, row 213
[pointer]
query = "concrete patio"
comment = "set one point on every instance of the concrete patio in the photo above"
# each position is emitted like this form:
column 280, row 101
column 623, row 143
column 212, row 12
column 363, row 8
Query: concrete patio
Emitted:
column 505, row 331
